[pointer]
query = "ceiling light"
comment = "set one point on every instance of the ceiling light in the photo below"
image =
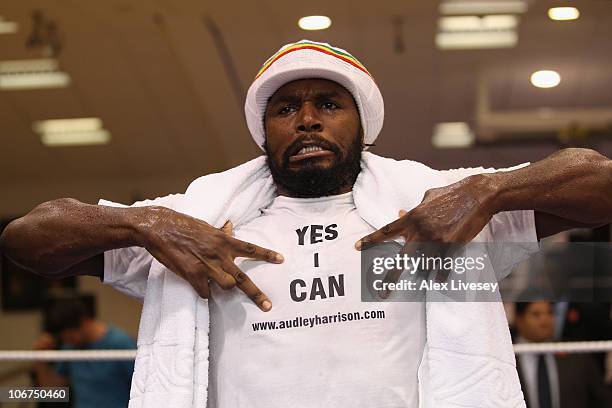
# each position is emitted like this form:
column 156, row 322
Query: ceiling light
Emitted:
column 563, row 13
column 314, row 23
column 477, row 23
column 67, row 125
column 97, row 137
column 473, row 32
column 7, row 27
column 32, row 74
column 71, row 132
column 34, row 81
column 545, row 79
column 31, row 65
column 482, row 7
column 452, row 135
column 476, row 40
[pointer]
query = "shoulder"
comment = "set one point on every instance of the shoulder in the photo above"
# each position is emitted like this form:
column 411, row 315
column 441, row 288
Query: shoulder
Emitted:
column 450, row 176
column 117, row 338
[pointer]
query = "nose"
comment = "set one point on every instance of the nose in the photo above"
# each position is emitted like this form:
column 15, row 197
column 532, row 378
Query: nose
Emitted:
column 308, row 119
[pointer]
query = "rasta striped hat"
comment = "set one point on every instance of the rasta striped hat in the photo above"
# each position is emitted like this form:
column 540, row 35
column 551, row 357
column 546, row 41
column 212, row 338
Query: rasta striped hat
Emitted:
column 308, row 59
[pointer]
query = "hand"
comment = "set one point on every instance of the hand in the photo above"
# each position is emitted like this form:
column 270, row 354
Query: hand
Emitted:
column 197, row 252
column 45, row 342
column 446, row 216
column 451, row 214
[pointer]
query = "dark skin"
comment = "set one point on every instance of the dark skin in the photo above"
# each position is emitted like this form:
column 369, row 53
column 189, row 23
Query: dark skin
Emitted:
column 571, row 188
column 303, row 112
column 65, row 237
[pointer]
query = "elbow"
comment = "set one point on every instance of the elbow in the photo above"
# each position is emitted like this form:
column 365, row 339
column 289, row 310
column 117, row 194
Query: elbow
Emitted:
column 10, row 235
column 585, row 156
column 25, row 242
column 599, row 168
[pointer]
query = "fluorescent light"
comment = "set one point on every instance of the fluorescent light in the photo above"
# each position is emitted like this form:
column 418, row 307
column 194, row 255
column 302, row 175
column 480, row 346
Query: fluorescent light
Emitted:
column 500, row 22
column 31, row 65
column 482, row 7
column 452, row 135
column 71, row 132
column 95, row 137
column 545, row 79
column 34, row 81
column 475, row 40
column 30, row 74
column 563, row 13
column 8, row 27
column 67, row 125
column 314, row 23
column 472, row 32
column 476, row 23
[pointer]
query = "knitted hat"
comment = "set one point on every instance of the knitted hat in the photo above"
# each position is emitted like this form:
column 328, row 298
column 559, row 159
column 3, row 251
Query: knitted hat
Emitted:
column 308, row 59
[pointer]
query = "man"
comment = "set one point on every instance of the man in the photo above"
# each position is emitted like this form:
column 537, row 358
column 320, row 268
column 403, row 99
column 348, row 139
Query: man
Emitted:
column 93, row 383
column 313, row 108
column 555, row 381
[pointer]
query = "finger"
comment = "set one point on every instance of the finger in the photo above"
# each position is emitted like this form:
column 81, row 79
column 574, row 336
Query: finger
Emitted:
column 432, row 255
column 402, row 213
column 223, row 279
column 202, row 288
column 393, row 275
column 228, row 228
column 386, row 233
column 249, row 288
column 248, row 250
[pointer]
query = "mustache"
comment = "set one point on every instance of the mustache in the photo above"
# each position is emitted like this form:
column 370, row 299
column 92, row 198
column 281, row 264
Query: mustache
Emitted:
column 298, row 144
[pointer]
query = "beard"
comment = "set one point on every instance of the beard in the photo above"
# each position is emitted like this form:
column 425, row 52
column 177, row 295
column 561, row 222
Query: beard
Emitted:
column 311, row 180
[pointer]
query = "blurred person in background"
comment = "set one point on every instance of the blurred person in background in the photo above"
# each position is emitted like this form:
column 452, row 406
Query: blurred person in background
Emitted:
column 70, row 325
column 558, row 380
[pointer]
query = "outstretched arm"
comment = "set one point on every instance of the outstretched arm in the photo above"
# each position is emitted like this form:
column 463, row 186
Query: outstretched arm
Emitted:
column 66, row 237
column 571, row 188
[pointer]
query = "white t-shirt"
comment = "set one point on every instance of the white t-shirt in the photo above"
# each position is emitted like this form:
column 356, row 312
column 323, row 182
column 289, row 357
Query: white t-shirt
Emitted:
column 343, row 353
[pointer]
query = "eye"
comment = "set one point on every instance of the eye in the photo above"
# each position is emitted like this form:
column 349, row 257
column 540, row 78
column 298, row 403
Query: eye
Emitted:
column 329, row 106
column 285, row 110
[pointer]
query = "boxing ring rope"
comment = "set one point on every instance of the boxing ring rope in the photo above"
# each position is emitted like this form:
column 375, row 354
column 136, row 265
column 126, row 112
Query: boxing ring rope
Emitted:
column 67, row 355
column 103, row 355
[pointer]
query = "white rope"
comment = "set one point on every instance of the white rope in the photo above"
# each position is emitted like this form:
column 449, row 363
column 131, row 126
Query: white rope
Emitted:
column 564, row 347
column 67, row 355
column 101, row 355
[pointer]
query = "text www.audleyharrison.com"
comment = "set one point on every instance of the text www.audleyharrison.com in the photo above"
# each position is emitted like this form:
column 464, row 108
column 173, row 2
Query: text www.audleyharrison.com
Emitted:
column 317, row 320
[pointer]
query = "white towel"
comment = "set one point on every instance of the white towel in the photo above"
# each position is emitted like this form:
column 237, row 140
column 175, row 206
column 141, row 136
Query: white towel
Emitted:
column 468, row 359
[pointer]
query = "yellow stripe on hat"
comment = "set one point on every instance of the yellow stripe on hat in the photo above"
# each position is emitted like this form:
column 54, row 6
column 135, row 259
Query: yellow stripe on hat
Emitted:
column 334, row 52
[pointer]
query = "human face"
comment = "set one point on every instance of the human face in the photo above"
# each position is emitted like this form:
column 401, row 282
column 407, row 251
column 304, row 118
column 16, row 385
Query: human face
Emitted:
column 320, row 115
column 537, row 322
column 74, row 337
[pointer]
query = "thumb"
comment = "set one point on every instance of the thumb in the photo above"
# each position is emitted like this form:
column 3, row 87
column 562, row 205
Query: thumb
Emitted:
column 402, row 213
column 228, row 228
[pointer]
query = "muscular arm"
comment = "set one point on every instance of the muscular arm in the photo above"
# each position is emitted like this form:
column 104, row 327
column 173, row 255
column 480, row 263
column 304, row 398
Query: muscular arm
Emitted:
column 65, row 237
column 571, row 188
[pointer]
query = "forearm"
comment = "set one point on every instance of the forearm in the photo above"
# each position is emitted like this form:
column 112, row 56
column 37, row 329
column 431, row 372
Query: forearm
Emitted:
column 574, row 184
column 61, row 233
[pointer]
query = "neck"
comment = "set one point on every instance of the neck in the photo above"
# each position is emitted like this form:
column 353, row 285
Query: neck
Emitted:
column 284, row 192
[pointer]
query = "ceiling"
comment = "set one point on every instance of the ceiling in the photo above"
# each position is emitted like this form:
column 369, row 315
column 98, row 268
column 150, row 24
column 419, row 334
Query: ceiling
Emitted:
column 168, row 79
